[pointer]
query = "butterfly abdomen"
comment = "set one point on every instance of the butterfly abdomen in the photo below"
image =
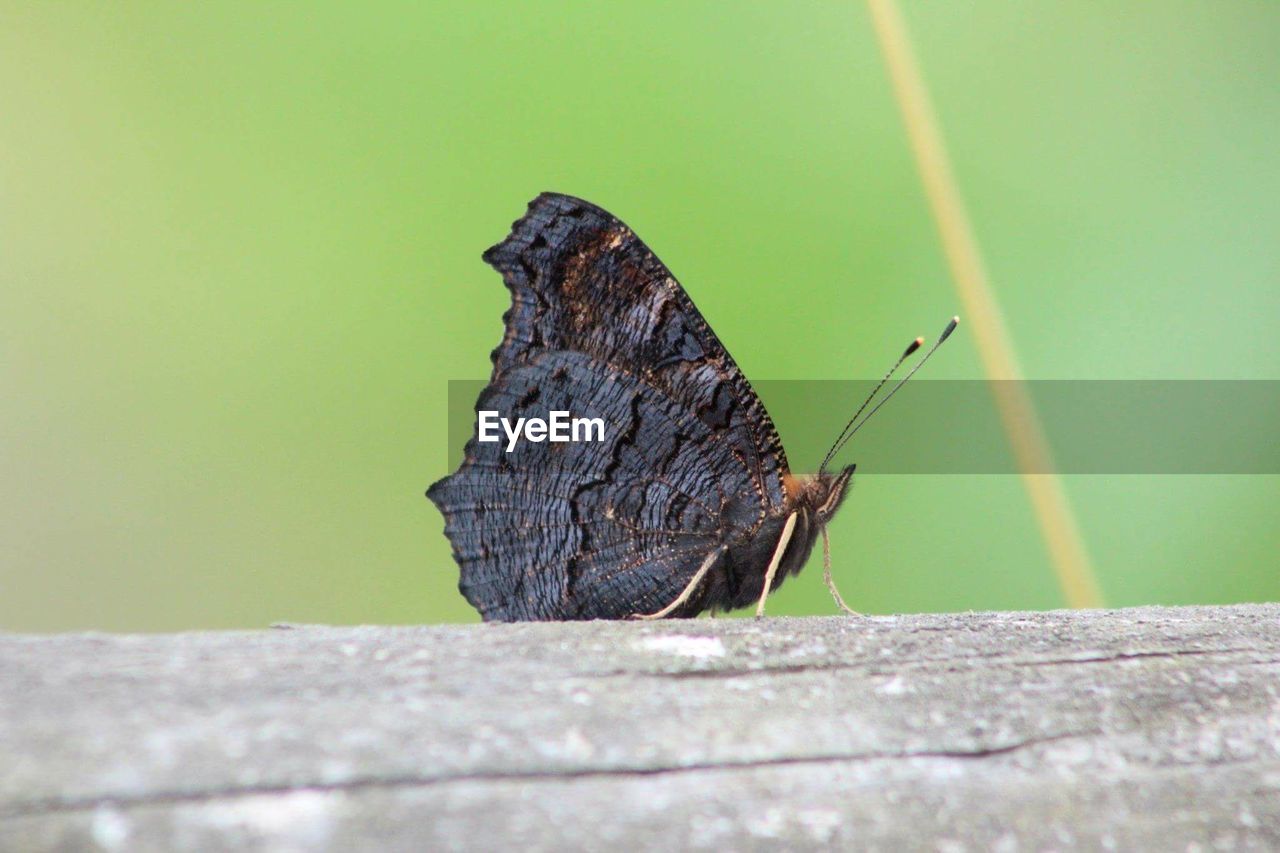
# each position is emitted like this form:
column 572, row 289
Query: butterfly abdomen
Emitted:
column 748, row 560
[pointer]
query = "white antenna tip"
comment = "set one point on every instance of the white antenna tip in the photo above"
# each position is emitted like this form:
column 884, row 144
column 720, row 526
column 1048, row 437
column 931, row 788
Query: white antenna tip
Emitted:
column 946, row 333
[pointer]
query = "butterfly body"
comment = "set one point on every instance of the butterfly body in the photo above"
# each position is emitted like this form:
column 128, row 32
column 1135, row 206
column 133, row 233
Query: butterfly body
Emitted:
column 813, row 499
column 685, row 504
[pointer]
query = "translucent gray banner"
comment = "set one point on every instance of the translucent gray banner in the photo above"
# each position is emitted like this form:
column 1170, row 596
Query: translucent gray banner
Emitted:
column 953, row 427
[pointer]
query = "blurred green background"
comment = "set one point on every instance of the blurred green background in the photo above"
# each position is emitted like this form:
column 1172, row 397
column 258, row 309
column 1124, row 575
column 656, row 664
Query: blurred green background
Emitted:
column 239, row 262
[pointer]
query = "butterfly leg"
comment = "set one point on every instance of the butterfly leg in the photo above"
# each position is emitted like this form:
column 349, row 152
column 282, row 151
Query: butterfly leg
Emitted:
column 783, row 541
column 689, row 588
column 826, row 575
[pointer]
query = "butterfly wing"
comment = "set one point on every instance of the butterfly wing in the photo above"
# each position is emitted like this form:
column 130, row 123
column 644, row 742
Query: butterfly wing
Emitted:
column 581, row 280
column 588, row 529
column 598, row 327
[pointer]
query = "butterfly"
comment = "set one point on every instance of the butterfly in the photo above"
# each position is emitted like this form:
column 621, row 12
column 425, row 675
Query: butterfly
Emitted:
column 686, row 504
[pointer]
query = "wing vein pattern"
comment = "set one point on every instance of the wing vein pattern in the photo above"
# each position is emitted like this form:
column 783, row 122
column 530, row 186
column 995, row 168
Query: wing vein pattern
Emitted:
column 599, row 328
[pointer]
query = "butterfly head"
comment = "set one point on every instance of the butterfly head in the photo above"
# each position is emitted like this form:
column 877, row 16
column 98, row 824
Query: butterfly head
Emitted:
column 819, row 494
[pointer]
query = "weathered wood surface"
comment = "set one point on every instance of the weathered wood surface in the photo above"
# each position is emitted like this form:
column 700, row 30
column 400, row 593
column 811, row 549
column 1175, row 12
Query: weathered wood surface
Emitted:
column 1154, row 728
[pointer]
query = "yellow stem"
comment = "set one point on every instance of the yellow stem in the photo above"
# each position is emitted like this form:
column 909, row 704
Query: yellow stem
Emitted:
column 982, row 312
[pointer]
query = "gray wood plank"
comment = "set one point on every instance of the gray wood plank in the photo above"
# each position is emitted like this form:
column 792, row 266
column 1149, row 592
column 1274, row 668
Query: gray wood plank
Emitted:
column 1152, row 728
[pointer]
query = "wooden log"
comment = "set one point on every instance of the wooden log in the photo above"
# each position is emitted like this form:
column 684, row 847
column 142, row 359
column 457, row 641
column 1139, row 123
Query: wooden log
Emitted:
column 1150, row 728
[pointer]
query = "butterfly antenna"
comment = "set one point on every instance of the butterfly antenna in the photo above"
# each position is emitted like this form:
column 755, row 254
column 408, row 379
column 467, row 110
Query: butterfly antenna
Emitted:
column 836, row 445
column 849, row 433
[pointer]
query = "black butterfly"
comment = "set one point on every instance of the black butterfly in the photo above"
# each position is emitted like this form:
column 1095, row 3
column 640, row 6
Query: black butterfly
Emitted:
column 686, row 505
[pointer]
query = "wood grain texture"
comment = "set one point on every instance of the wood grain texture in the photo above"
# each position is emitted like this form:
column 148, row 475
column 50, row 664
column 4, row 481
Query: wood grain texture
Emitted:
column 1150, row 728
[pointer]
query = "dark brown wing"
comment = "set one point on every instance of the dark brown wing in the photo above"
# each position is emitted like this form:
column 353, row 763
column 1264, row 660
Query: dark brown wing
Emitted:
column 581, row 280
column 591, row 530
column 604, row 530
